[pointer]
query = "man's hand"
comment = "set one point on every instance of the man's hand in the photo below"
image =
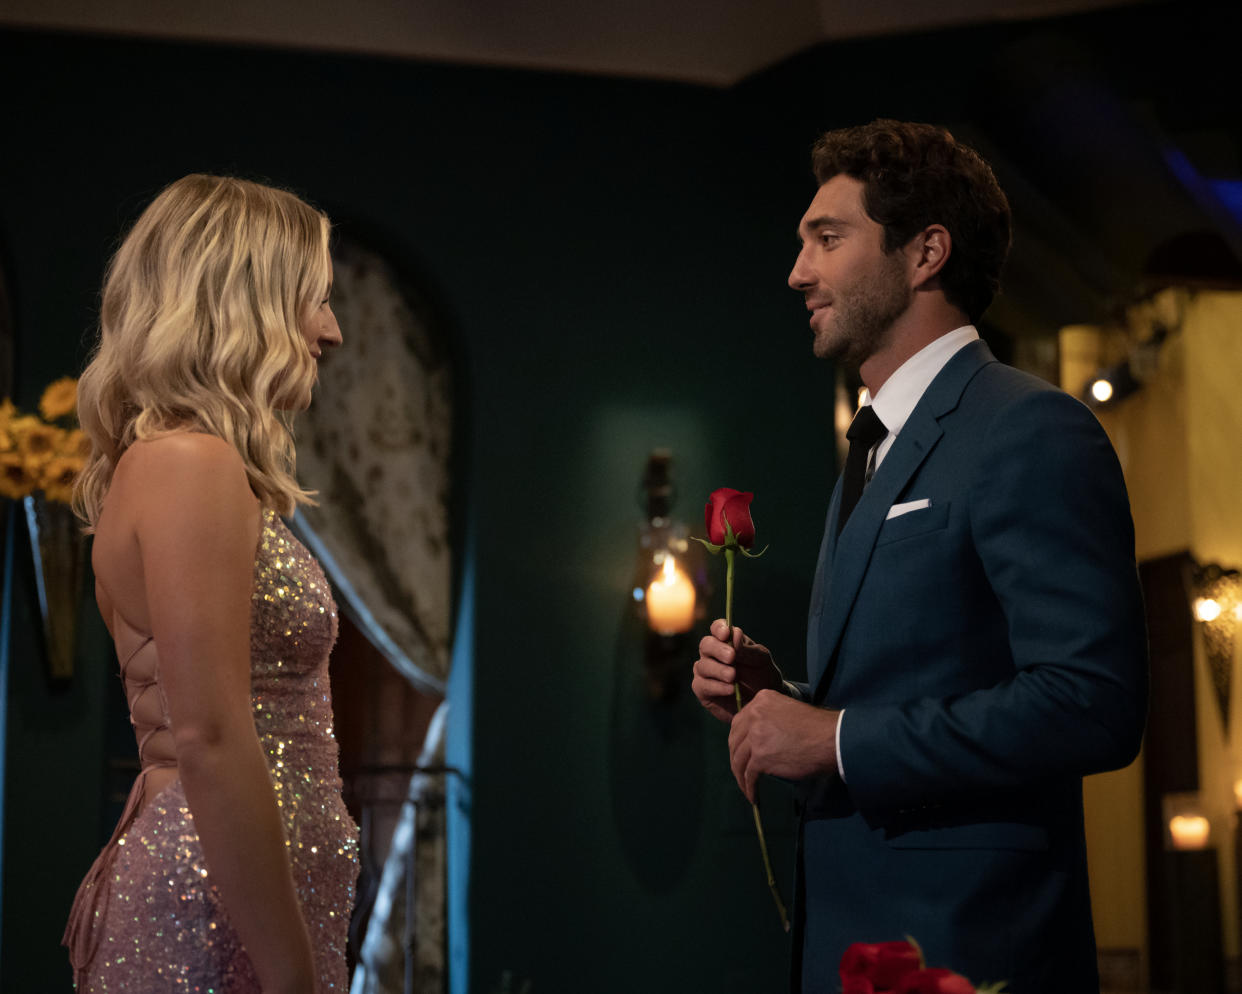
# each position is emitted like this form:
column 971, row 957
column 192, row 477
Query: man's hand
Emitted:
column 720, row 665
column 777, row 735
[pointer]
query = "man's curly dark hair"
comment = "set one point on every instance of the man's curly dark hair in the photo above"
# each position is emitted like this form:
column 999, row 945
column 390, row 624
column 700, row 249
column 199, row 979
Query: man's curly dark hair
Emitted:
column 914, row 175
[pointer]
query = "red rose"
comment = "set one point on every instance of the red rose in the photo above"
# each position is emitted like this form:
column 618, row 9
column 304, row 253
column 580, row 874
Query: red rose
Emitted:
column 934, row 980
column 856, row 985
column 733, row 506
column 882, row 963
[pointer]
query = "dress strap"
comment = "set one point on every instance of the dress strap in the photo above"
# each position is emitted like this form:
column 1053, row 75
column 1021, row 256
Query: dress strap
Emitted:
column 135, row 688
column 147, row 640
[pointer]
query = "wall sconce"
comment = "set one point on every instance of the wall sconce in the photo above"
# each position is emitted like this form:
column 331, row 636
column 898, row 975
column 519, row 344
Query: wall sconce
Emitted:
column 1216, row 603
column 1109, row 387
column 670, row 582
column 1186, row 826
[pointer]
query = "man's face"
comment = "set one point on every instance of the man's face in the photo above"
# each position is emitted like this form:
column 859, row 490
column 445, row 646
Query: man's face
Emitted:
column 853, row 289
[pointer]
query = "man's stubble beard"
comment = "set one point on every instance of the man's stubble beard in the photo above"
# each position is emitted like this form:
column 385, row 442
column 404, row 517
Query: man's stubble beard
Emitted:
column 864, row 315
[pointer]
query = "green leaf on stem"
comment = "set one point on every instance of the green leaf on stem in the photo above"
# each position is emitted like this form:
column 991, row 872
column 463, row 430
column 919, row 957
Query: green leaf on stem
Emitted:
column 918, row 949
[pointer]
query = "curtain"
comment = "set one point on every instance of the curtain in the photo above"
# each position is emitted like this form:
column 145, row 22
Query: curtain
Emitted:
column 375, row 445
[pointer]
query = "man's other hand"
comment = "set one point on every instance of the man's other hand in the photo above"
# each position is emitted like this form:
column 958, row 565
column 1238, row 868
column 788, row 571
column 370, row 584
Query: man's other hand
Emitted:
column 777, row 735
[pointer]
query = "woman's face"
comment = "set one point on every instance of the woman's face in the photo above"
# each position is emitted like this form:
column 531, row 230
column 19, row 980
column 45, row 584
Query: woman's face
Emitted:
column 320, row 330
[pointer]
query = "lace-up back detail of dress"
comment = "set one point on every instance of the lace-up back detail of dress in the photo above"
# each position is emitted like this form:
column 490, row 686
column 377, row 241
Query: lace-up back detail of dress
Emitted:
column 148, row 708
column 148, row 908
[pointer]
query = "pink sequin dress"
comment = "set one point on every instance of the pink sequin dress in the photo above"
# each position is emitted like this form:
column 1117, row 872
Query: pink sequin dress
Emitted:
column 147, row 917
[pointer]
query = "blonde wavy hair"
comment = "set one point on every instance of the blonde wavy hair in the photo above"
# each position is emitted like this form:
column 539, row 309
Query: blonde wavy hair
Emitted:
column 199, row 332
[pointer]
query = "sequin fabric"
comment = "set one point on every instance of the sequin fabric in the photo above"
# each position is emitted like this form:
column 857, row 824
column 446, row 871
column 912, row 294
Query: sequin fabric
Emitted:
column 162, row 927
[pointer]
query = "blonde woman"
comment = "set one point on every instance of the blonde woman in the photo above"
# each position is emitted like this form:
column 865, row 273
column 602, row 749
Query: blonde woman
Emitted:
column 233, row 866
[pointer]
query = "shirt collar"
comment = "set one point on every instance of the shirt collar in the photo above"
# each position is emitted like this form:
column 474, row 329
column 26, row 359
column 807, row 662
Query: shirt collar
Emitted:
column 901, row 392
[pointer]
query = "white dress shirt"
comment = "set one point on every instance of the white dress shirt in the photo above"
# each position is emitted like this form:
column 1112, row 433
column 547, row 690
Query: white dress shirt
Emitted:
column 895, row 401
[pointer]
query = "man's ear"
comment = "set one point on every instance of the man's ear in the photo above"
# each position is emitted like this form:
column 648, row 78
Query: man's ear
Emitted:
column 929, row 250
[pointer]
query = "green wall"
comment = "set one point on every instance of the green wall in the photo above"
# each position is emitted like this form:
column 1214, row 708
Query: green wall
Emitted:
column 610, row 258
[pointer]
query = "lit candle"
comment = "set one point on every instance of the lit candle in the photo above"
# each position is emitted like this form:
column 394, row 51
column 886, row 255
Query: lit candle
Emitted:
column 1189, row 831
column 670, row 600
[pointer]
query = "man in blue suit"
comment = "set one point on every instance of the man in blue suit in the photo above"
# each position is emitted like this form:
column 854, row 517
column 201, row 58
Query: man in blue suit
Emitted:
column 976, row 642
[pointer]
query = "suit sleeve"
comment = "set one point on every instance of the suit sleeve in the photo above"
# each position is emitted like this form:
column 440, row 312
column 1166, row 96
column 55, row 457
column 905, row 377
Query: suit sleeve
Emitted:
column 1050, row 523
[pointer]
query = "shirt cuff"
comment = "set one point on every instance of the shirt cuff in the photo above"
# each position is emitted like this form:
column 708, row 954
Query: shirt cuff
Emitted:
column 840, row 761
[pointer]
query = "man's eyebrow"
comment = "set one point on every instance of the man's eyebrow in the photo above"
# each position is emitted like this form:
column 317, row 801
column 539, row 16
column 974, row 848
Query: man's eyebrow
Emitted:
column 813, row 224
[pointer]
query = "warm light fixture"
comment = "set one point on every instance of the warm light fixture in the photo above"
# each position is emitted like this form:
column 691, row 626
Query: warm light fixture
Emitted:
column 1102, row 390
column 1111, row 386
column 1186, row 825
column 1206, row 609
column 670, row 600
column 1216, row 605
column 669, row 587
column 1189, row 831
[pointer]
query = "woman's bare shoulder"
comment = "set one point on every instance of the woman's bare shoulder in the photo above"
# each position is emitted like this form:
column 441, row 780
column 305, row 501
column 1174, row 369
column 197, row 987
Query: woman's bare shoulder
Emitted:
column 181, row 450
column 191, row 467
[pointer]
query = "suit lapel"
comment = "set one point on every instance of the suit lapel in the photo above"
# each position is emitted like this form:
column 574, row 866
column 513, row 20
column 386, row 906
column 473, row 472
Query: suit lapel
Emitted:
column 850, row 553
column 819, row 591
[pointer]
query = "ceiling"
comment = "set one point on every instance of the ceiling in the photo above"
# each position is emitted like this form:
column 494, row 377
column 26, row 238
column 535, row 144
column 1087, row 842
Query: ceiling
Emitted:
column 711, row 42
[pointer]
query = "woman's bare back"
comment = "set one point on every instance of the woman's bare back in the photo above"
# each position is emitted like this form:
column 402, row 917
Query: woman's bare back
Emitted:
column 120, row 592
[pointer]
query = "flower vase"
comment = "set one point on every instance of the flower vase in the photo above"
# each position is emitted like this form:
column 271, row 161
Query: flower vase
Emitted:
column 59, row 551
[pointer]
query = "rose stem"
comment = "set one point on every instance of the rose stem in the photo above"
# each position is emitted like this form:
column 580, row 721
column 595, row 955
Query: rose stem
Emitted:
column 737, row 696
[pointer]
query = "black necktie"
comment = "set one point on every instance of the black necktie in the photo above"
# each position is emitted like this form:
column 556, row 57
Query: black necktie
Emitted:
column 865, row 430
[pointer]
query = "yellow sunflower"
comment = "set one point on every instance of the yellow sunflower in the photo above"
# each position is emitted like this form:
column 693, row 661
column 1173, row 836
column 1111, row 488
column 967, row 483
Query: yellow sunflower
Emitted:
column 36, row 441
column 57, row 476
column 16, row 480
column 60, row 398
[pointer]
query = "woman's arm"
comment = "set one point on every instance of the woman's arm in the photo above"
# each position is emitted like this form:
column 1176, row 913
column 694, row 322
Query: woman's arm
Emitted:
column 197, row 527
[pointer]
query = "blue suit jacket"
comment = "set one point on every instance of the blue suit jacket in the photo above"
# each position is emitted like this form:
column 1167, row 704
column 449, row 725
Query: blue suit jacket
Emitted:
column 989, row 651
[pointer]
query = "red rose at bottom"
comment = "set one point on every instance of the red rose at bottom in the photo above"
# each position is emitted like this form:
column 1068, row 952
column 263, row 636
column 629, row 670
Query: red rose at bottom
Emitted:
column 856, row 985
column 934, row 980
column 881, row 963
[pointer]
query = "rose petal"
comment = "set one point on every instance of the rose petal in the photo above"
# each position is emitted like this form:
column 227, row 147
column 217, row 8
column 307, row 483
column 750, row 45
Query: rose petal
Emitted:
column 934, row 980
column 736, row 511
column 882, row 963
column 715, row 522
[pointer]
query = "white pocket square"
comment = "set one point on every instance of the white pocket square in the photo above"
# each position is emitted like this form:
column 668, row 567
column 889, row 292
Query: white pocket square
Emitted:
column 897, row 510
